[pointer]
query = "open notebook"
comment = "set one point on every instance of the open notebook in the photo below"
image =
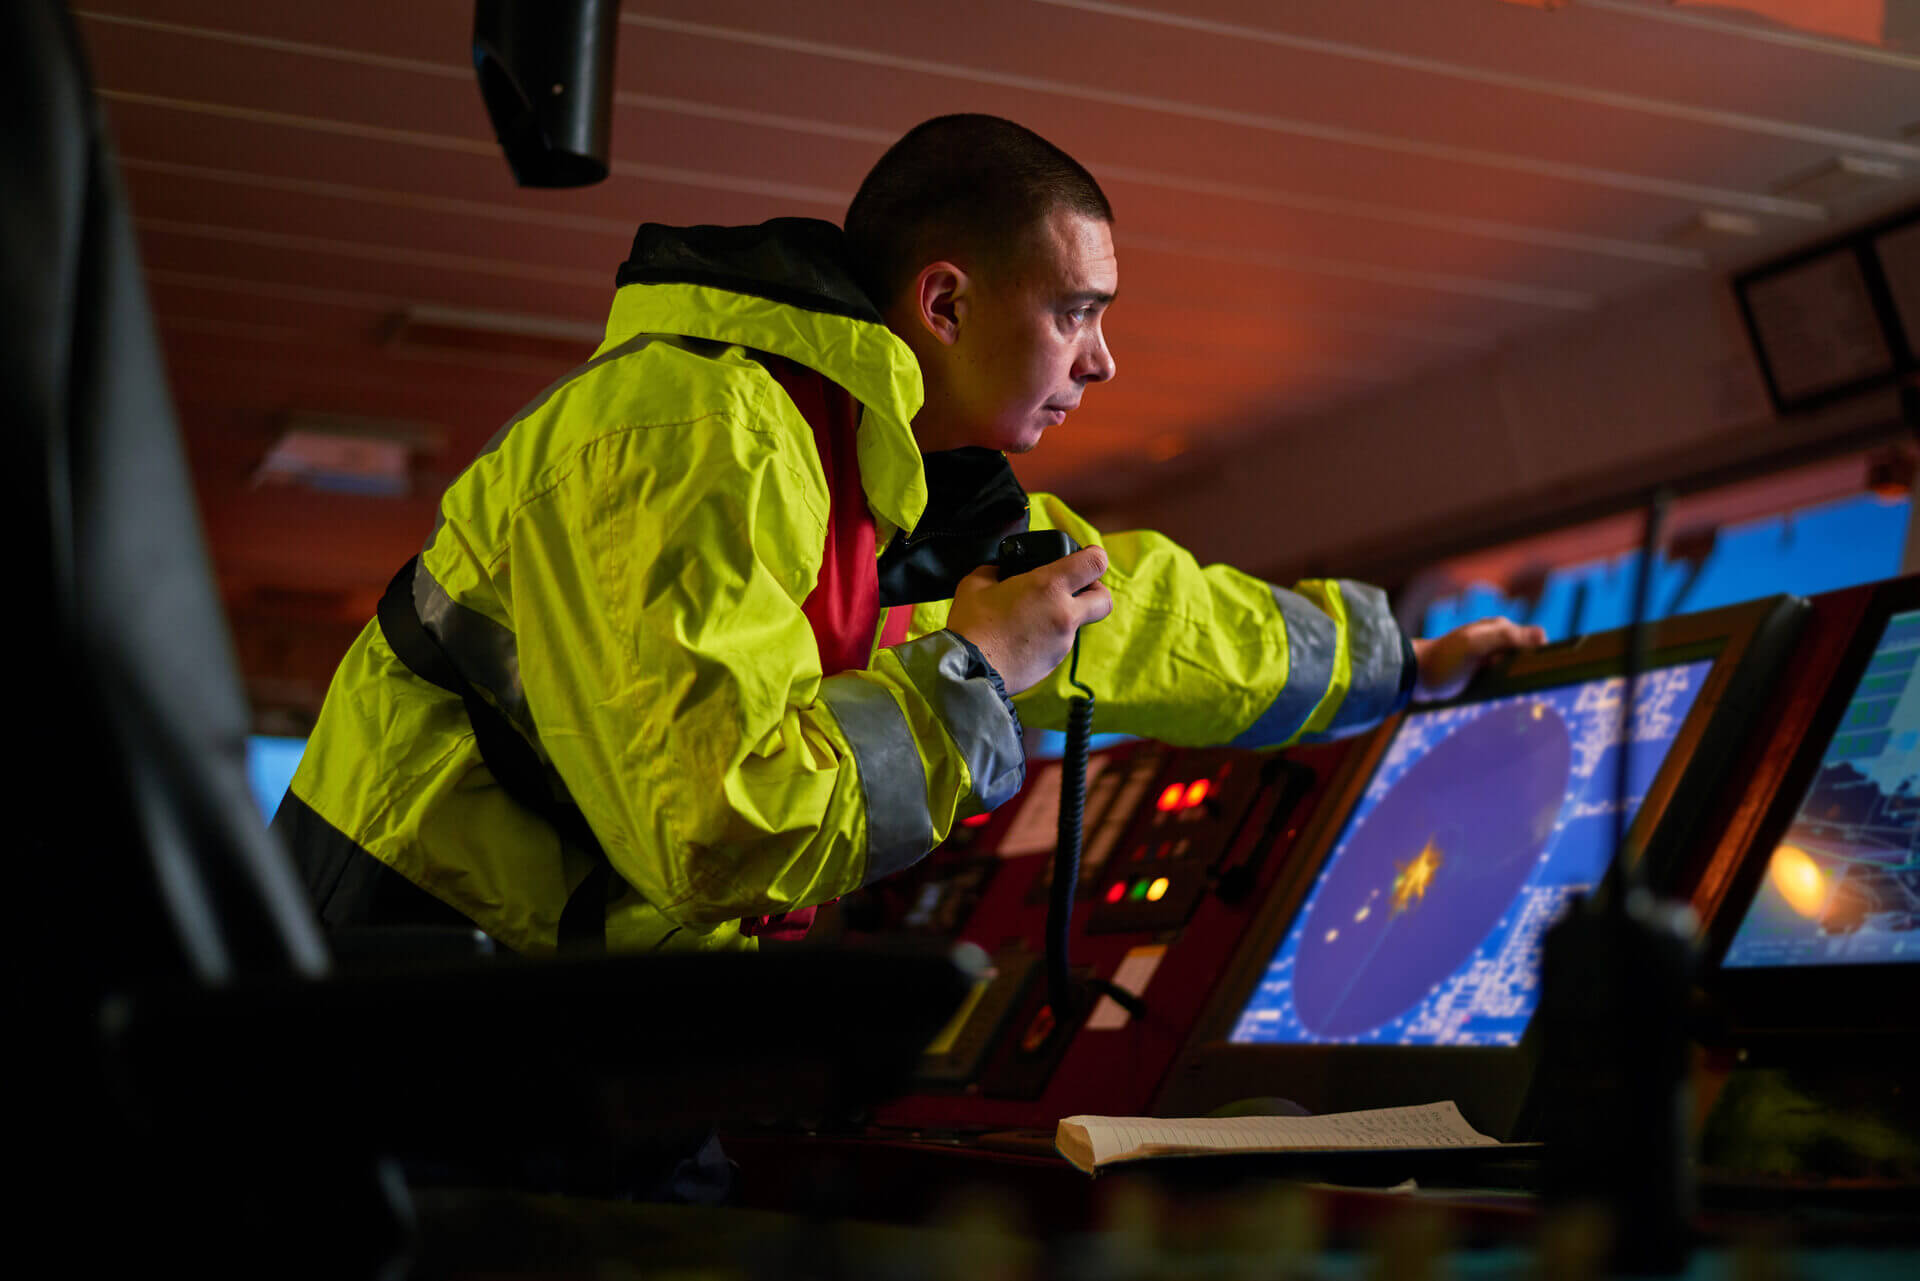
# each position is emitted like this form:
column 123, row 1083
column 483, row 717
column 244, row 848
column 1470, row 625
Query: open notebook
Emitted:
column 1091, row 1142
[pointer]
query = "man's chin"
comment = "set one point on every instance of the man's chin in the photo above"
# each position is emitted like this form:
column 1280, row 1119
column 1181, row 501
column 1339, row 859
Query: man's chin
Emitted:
column 1026, row 440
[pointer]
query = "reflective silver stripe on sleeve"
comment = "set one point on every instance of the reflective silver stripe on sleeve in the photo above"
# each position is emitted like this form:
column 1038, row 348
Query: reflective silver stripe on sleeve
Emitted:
column 1373, row 645
column 1312, row 640
column 974, row 710
column 484, row 651
column 892, row 780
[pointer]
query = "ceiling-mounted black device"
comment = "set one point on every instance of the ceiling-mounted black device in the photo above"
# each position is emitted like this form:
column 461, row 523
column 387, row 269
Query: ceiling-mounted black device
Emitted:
column 546, row 75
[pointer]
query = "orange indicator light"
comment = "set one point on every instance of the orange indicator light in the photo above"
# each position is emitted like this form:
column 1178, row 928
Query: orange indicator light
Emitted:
column 1798, row 879
column 1197, row 792
column 1158, row 890
column 1170, row 799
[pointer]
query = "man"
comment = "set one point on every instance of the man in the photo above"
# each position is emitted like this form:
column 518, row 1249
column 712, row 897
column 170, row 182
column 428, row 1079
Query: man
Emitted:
column 715, row 591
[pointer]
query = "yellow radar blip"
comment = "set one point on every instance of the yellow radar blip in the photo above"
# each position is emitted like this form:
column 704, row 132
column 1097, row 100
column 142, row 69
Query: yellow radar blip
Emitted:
column 1415, row 876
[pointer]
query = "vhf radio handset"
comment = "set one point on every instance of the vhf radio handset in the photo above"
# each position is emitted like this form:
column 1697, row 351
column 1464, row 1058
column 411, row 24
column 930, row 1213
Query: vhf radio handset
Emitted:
column 1018, row 554
column 1026, row 551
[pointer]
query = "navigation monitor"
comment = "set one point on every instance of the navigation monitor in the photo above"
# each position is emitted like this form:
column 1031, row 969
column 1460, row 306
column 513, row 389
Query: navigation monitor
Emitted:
column 271, row 762
column 1843, row 885
column 1824, row 908
column 1480, row 824
column 1397, row 959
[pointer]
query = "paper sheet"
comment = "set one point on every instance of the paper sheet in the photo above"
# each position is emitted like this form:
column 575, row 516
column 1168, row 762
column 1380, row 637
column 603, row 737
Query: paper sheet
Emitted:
column 1100, row 1139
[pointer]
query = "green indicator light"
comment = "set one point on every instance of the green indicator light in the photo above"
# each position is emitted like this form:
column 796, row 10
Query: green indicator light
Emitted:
column 1138, row 892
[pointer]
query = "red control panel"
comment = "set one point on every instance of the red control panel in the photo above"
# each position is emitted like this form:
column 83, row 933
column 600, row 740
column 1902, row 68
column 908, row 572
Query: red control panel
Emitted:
column 1181, row 846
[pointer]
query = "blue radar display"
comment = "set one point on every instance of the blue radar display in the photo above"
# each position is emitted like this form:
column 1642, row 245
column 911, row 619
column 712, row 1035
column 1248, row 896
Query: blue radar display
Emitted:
column 1843, row 885
column 1480, row 824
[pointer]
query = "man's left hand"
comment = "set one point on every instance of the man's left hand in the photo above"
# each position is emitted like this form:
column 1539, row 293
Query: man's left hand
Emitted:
column 1447, row 664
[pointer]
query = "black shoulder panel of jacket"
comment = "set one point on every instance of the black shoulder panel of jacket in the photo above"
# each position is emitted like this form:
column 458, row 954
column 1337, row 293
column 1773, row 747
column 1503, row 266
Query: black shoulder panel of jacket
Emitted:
column 973, row 501
column 801, row 262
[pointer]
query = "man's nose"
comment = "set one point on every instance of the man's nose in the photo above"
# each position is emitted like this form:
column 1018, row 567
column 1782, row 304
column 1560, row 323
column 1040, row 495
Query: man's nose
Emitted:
column 1097, row 365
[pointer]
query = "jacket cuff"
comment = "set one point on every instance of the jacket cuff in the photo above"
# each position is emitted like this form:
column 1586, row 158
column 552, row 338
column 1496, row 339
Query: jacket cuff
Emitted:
column 971, row 702
column 1378, row 661
column 1409, row 675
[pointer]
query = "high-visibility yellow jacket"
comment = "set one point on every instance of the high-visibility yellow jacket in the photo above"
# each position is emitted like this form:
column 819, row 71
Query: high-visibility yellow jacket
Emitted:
column 622, row 573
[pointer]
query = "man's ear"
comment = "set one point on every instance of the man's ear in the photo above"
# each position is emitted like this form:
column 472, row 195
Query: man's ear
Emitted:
column 942, row 297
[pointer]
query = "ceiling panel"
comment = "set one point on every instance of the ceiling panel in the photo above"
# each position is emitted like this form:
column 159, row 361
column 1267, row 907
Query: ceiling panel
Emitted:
column 1314, row 203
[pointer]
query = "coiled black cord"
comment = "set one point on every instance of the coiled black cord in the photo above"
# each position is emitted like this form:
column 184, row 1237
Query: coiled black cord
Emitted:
column 1061, row 993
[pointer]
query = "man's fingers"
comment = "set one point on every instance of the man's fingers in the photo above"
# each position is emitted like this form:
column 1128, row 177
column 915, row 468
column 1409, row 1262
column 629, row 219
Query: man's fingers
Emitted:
column 1491, row 635
column 1094, row 602
column 1081, row 569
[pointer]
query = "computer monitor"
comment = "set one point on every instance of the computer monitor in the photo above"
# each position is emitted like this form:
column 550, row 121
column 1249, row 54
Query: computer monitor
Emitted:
column 1397, row 961
column 271, row 762
column 1819, row 931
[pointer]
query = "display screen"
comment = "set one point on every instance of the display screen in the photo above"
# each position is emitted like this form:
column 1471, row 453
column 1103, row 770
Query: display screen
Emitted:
column 1843, row 885
column 1480, row 823
column 270, row 766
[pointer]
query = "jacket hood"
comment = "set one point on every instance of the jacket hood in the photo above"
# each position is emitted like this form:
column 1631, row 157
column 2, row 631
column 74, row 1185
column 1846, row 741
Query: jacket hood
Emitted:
column 785, row 287
column 798, row 261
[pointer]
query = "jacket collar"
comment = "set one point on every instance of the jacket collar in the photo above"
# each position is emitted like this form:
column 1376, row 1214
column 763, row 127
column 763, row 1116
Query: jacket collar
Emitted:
column 783, row 287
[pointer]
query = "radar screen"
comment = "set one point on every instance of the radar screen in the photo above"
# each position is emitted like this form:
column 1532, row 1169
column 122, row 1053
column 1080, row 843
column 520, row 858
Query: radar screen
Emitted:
column 1479, row 825
column 1843, row 885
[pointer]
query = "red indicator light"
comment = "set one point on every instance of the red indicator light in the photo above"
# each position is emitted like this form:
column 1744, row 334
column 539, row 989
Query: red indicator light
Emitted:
column 1170, row 799
column 978, row 820
column 1197, row 792
column 1116, row 891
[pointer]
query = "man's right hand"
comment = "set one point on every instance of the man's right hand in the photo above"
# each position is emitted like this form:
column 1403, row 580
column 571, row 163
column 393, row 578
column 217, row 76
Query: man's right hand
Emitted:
column 1025, row 625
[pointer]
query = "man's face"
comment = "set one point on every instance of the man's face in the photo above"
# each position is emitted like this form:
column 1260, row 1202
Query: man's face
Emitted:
column 1028, row 343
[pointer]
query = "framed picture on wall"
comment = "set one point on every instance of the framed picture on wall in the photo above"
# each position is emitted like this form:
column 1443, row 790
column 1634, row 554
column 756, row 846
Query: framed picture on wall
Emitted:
column 1898, row 253
column 1835, row 319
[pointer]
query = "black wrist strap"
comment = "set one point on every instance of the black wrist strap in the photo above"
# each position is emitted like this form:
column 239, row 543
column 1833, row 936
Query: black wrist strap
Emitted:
column 508, row 756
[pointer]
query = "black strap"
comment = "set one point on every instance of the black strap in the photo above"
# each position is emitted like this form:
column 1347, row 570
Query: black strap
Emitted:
column 508, row 756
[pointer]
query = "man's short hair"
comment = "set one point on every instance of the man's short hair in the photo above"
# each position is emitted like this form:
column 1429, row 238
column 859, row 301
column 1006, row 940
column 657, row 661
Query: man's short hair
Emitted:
column 969, row 185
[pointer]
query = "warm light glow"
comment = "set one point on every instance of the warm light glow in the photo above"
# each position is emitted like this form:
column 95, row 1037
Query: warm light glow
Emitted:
column 1158, row 890
column 1799, row 880
column 978, row 820
column 1170, row 799
column 1116, row 891
column 1197, row 792
column 1415, row 875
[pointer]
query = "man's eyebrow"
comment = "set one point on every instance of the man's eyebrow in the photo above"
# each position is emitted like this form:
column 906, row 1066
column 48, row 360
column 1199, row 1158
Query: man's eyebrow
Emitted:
column 1089, row 295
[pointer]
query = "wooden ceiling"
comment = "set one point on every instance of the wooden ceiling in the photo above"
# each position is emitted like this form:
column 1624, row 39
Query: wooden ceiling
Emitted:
column 1314, row 201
